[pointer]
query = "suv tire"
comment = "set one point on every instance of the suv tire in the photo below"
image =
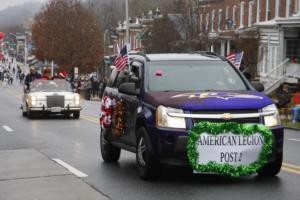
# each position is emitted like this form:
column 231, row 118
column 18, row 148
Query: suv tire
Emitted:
column 271, row 168
column 148, row 164
column 110, row 154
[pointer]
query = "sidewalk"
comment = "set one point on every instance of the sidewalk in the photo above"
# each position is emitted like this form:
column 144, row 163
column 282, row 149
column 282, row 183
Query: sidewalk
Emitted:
column 26, row 174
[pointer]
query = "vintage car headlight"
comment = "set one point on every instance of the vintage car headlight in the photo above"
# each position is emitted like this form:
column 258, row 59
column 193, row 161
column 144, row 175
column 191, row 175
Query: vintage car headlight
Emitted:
column 77, row 100
column 33, row 100
column 274, row 119
column 166, row 121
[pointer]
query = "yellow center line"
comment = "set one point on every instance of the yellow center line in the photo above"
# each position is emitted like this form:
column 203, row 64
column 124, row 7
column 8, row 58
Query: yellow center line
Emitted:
column 291, row 166
column 290, row 170
column 90, row 117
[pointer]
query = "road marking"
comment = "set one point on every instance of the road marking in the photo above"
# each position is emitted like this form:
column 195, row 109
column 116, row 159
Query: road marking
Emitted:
column 293, row 139
column 90, row 118
column 291, row 166
column 290, row 170
column 70, row 168
column 7, row 128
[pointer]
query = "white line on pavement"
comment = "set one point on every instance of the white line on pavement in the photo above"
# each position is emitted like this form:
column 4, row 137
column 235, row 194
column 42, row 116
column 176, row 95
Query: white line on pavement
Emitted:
column 70, row 168
column 293, row 139
column 7, row 128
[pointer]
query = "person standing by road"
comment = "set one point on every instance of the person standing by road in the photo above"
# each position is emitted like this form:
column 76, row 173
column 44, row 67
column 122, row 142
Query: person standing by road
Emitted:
column 33, row 75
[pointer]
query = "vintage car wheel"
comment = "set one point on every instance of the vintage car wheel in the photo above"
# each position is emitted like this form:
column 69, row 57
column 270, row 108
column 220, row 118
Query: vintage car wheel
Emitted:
column 24, row 114
column 30, row 115
column 76, row 114
column 148, row 164
column 110, row 154
column 271, row 168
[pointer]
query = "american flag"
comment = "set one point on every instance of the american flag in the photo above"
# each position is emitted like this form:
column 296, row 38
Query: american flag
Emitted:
column 236, row 58
column 122, row 59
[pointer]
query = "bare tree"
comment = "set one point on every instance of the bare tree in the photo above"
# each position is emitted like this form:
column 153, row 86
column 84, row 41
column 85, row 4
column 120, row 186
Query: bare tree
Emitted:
column 163, row 36
column 67, row 33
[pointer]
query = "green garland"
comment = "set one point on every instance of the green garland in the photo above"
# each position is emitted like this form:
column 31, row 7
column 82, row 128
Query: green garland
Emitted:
column 235, row 128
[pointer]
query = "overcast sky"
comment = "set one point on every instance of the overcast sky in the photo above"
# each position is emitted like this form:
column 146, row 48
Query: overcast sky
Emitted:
column 8, row 3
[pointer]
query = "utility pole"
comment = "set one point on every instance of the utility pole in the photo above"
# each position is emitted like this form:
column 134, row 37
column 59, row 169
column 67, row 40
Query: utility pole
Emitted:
column 127, row 21
column 25, row 51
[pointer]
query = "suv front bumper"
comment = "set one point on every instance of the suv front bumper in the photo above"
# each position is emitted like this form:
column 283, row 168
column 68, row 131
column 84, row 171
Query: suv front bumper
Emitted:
column 170, row 145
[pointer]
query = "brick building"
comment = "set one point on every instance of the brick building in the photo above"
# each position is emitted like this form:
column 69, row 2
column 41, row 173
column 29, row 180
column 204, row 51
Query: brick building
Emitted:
column 274, row 23
column 138, row 32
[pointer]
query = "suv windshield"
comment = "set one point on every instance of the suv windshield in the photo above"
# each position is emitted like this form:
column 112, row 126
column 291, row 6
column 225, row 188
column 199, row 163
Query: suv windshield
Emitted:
column 193, row 76
column 50, row 85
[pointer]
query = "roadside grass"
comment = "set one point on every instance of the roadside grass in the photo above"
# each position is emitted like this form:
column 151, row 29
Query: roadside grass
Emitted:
column 288, row 123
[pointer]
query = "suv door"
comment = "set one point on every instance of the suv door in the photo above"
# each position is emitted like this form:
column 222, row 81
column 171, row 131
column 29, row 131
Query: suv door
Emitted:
column 129, row 103
column 132, row 103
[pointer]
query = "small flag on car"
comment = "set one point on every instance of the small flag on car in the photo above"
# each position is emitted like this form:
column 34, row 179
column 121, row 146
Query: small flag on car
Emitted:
column 236, row 59
column 122, row 59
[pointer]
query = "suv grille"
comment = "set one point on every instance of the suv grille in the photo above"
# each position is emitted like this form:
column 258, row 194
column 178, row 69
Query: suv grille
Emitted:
column 55, row 101
column 242, row 120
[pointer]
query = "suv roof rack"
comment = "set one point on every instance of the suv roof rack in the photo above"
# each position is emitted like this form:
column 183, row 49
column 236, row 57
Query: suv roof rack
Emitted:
column 138, row 53
column 210, row 54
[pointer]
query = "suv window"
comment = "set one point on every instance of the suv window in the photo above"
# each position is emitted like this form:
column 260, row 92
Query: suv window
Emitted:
column 126, row 75
column 193, row 76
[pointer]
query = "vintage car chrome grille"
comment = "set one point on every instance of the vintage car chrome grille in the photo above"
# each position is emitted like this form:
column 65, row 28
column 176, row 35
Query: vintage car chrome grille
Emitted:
column 238, row 120
column 55, row 101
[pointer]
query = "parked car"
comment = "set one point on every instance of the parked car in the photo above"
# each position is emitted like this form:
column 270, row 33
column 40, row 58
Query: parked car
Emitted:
column 150, row 108
column 50, row 97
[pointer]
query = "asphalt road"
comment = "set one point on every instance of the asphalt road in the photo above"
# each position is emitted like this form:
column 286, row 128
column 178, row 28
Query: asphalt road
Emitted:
column 76, row 142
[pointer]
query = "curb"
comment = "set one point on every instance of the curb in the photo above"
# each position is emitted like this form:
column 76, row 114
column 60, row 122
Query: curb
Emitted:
column 292, row 128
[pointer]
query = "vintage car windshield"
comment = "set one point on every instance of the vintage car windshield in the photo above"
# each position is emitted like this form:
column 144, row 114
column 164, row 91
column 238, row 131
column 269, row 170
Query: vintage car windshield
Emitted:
column 50, row 85
column 193, row 76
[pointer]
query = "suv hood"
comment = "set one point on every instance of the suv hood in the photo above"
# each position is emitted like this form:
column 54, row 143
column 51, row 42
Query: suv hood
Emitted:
column 216, row 100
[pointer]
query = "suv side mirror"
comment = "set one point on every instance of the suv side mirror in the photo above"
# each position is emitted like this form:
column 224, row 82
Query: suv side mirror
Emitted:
column 258, row 86
column 128, row 88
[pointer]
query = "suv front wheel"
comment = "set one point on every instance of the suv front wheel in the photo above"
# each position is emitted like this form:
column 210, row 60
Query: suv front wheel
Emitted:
column 109, row 153
column 272, row 168
column 148, row 164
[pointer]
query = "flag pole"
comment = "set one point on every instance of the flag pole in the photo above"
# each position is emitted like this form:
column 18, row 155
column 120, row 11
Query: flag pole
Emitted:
column 127, row 31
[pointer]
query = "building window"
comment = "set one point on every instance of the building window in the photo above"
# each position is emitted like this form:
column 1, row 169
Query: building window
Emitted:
column 234, row 16
column 277, row 6
column 212, row 21
column 293, row 48
column 220, row 21
column 258, row 11
column 242, row 14
column 268, row 10
column 201, row 21
column 207, row 22
column 288, row 8
column 250, row 14
column 226, row 16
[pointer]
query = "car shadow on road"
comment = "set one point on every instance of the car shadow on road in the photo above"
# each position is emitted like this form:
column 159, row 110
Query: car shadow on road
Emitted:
column 51, row 117
column 179, row 175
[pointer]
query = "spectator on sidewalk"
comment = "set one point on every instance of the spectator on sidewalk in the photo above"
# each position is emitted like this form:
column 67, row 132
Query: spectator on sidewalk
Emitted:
column 296, row 108
column 103, row 86
column 283, row 97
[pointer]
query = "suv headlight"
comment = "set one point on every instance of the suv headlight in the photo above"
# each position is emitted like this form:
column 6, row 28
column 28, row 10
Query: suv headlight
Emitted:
column 274, row 119
column 166, row 121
